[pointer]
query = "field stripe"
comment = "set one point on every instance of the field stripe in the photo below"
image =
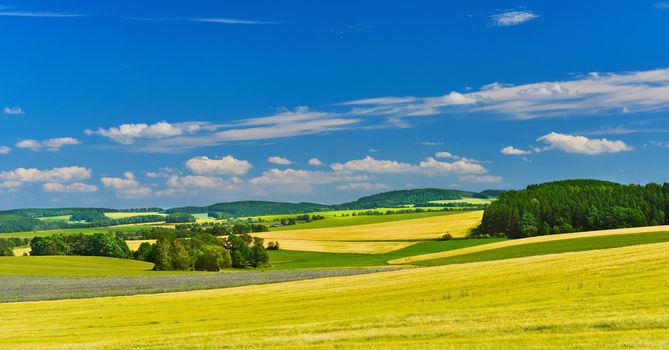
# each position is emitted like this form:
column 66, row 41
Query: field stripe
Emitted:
column 515, row 242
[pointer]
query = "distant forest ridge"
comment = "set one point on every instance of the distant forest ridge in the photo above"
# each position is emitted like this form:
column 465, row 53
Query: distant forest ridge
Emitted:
column 576, row 205
column 392, row 199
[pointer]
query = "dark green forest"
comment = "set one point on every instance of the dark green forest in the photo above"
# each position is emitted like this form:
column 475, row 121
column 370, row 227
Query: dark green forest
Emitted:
column 576, row 205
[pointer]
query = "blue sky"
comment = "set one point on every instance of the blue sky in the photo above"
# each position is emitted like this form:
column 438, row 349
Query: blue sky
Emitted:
column 142, row 103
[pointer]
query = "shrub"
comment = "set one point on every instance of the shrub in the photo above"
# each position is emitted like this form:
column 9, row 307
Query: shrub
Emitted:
column 446, row 237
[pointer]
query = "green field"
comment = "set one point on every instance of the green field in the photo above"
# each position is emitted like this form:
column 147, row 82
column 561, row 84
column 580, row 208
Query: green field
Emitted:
column 286, row 259
column 30, row 234
column 586, row 300
column 120, row 215
column 342, row 221
column 72, row 266
column 553, row 247
column 56, row 218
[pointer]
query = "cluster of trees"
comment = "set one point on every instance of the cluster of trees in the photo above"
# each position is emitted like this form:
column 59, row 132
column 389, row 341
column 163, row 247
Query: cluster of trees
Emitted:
column 180, row 218
column 575, row 205
column 204, row 252
column 97, row 244
column 47, row 212
column 7, row 245
column 304, row 218
column 253, row 208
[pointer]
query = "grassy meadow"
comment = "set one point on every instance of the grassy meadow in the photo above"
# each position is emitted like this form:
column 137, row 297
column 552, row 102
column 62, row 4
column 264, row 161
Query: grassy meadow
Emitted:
column 586, row 300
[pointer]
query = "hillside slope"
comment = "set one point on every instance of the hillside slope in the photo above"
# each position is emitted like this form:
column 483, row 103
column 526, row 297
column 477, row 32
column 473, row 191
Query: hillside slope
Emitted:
column 613, row 299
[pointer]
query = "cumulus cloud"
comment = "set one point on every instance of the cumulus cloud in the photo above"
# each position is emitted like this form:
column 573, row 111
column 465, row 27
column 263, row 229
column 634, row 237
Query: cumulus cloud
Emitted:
column 52, row 145
column 369, row 164
column 5, row 150
column 444, row 154
column 512, row 18
column 127, row 186
column 544, row 89
column 127, row 134
column 480, row 178
column 315, row 162
column 462, row 166
column 510, row 150
column 279, row 160
column 202, row 181
column 227, row 165
column 60, row 175
column 582, row 144
column 363, row 186
column 13, row 110
column 69, row 188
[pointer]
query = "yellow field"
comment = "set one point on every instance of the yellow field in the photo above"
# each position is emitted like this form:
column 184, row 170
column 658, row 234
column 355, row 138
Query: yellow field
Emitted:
column 458, row 224
column 343, row 247
column 134, row 244
column 20, row 250
column 514, row 242
column 606, row 299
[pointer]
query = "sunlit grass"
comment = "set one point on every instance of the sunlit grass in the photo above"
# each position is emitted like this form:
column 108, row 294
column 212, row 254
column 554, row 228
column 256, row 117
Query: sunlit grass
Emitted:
column 604, row 299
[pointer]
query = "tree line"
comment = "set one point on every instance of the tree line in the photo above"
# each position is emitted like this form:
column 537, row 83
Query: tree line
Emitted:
column 575, row 205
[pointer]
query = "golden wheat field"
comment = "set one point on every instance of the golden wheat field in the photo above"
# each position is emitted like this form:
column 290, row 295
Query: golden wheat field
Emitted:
column 613, row 299
column 457, row 224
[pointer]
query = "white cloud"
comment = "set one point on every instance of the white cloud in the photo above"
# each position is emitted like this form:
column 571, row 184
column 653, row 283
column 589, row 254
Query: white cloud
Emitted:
column 69, row 188
column 4, row 13
column 302, row 177
column 462, row 166
column 480, row 178
column 315, row 162
column 592, row 94
column 543, row 89
column 279, row 160
column 126, row 187
column 444, row 154
column 5, row 150
column 363, row 186
column 369, row 164
column 494, row 86
column 661, row 5
column 227, row 165
column 13, row 110
column 582, row 144
column 53, row 145
column 202, row 181
column 510, row 150
column 127, row 134
column 31, row 175
column 512, row 18
column 229, row 21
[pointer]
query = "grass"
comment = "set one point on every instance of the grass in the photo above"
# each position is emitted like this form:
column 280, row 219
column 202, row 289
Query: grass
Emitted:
column 287, row 259
column 72, row 266
column 514, row 242
column 31, row 234
column 612, row 299
column 464, row 200
column 458, row 224
column 129, row 215
column 342, row 221
column 554, row 247
column 56, row 218
column 343, row 247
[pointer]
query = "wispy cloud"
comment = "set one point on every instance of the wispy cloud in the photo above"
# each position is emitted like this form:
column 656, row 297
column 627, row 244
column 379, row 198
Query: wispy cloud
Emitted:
column 52, row 145
column 662, row 5
column 228, row 21
column 512, row 18
column 13, row 110
column 45, row 14
column 596, row 93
